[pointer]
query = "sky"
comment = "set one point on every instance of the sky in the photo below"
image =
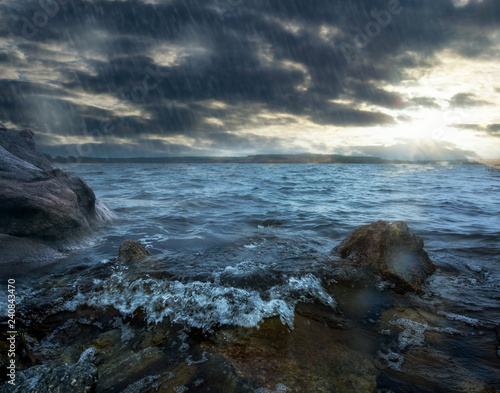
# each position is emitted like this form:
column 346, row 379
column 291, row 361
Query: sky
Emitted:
column 409, row 79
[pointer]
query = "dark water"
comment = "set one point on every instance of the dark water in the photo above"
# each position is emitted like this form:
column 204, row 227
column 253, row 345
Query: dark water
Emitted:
column 241, row 243
column 256, row 230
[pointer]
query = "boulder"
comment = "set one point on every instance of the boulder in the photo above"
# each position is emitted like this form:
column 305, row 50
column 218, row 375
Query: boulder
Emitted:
column 132, row 251
column 38, row 200
column 392, row 250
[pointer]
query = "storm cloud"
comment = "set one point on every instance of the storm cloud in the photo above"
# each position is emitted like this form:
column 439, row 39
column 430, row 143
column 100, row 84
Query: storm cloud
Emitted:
column 144, row 77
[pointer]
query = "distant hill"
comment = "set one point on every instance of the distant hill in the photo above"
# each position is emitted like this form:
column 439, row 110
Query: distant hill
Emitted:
column 305, row 158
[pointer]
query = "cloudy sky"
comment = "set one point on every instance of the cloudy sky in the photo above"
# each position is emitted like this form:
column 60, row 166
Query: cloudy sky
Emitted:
column 402, row 79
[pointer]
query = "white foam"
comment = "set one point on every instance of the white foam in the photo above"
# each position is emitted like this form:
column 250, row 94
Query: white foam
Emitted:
column 89, row 355
column 139, row 386
column 279, row 388
column 462, row 318
column 413, row 333
column 204, row 304
column 103, row 211
column 393, row 359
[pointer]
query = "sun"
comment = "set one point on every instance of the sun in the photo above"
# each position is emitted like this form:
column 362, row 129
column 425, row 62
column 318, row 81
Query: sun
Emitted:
column 432, row 124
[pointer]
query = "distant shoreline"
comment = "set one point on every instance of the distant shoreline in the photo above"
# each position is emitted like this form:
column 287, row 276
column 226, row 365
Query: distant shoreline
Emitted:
column 254, row 159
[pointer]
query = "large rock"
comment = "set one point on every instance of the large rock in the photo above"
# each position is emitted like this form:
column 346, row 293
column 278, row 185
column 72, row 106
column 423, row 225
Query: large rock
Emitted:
column 38, row 200
column 392, row 250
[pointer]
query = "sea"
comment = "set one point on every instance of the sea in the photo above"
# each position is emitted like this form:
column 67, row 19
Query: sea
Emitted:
column 234, row 244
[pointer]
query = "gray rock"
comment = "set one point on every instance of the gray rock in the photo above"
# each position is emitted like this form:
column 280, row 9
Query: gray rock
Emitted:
column 80, row 377
column 392, row 250
column 38, row 200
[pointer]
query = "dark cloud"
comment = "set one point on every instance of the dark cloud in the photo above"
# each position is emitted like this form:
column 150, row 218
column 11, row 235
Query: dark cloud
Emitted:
column 404, row 118
column 345, row 116
column 491, row 129
column 475, row 127
column 463, row 100
column 167, row 62
column 426, row 102
column 494, row 129
column 370, row 93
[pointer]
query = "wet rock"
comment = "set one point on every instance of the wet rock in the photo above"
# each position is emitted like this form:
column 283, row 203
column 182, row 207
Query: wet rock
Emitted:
column 322, row 314
column 220, row 375
column 107, row 345
column 271, row 223
column 38, row 200
column 176, row 379
column 413, row 327
column 89, row 355
column 392, row 251
column 132, row 251
column 153, row 336
column 117, row 374
column 310, row 358
column 76, row 378
column 429, row 369
column 17, row 253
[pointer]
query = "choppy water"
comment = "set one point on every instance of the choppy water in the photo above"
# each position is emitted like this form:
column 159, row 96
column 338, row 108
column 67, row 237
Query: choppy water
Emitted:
column 244, row 242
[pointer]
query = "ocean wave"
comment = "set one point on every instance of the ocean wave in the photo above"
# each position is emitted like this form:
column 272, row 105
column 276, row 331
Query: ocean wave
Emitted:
column 202, row 305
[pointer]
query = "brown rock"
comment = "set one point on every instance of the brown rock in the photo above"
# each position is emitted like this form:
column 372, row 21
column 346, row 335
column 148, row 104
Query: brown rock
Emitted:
column 312, row 357
column 394, row 252
column 132, row 251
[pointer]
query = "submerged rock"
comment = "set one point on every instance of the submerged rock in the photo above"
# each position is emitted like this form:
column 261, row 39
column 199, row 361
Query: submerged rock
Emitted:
column 271, row 223
column 38, row 200
column 80, row 377
column 132, row 251
column 392, row 250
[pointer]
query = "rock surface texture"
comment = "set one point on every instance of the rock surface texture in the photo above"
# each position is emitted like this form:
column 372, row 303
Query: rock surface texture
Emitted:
column 76, row 378
column 38, row 200
column 132, row 251
column 392, row 250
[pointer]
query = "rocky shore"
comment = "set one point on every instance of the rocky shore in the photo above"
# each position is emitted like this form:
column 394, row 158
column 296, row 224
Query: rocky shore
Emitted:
column 385, row 334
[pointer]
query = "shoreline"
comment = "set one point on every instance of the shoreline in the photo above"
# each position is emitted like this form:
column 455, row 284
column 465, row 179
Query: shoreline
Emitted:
column 257, row 159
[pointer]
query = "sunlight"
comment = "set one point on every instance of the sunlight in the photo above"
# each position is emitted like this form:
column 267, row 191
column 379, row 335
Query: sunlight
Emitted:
column 433, row 124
